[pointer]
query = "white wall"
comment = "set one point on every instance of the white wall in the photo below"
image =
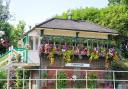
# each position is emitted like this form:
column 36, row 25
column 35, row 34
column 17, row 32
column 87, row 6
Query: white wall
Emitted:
column 33, row 56
column 34, row 33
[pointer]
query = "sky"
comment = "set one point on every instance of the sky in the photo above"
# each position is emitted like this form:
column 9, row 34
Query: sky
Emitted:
column 36, row 11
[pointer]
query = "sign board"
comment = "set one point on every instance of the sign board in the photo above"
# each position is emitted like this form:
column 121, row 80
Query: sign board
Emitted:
column 77, row 65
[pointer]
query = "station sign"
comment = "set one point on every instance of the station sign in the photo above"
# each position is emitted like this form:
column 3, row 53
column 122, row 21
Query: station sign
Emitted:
column 77, row 65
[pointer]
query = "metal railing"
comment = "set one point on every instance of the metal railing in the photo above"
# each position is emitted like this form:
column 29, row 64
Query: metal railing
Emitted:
column 75, row 79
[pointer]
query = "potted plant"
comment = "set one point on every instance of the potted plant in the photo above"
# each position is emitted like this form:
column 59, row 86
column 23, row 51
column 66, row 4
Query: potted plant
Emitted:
column 93, row 56
column 67, row 55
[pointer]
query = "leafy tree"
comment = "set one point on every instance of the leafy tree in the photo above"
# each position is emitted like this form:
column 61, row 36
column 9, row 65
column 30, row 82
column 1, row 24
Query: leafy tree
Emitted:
column 7, row 28
column 114, row 17
column 4, row 25
column 81, row 14
column 4, row 16
column 17, row 33
column 12, row 34
column 4, row 10
column 115, row 2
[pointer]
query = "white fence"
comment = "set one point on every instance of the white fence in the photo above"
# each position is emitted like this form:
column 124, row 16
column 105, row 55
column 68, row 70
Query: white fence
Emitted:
column 75, row 79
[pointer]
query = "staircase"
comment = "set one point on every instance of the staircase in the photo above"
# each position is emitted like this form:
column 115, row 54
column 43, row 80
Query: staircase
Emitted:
column 8, row 58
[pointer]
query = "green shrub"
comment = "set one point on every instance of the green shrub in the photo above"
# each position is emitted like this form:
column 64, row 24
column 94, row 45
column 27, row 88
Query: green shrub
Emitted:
column 61, row 83
column 92, row 83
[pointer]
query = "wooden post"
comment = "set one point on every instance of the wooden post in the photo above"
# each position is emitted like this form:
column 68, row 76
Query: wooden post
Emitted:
column 87, row 43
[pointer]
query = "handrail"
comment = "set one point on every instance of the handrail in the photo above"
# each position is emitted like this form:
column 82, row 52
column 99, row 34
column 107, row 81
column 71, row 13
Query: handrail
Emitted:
column 111, row 80
column 70, row 70
column 5, row 54
column 15, row 49
column 4, row 59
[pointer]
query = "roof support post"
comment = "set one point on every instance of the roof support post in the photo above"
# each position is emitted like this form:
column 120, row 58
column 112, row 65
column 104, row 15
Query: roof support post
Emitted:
column 77, row 35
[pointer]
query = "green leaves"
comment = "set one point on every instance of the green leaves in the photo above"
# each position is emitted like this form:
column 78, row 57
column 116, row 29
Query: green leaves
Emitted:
column 4, row 10
column 61, row 83
column 113, row 16
column 117, row 2
column 2, row 76
column 17, row 33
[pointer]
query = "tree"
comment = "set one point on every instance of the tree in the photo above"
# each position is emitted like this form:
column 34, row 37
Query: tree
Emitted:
column 4, row 16
column 114, row 17
column 4, row 25
column 12, row 33
column 4, row 10
column 81, row 14
column 115, row 2
column 17, row 33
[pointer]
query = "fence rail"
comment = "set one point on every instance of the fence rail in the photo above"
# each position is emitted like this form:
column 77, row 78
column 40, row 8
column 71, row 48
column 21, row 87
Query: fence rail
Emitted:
column 100, row 79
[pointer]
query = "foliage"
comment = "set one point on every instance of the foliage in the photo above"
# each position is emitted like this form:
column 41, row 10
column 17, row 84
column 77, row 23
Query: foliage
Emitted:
column 51, row 56
column 4, row 44
column 2, row 76
column 2, row 49
column 120, row 66
column 67, row 55
column 4, row 10
column 4, row 25
column 124, row 48
column 61, row 83
column 79, row 84
column 92, row 83
column 108, row 76
column 94, row 56
column 4, row 16
column 109, row 17
column 12, row 34
column 116, row 2
column 7, row 28
column 18, row 82
column 44, row 74
column 19, row 75
column 17, row 33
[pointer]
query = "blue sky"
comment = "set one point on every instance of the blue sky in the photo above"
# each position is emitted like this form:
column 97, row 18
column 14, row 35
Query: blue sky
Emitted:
column 36, row 11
